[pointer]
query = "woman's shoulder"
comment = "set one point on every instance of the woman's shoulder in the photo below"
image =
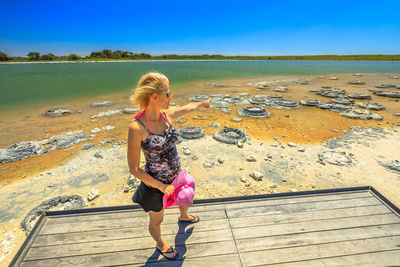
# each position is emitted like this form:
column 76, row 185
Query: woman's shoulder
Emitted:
column 137, row 128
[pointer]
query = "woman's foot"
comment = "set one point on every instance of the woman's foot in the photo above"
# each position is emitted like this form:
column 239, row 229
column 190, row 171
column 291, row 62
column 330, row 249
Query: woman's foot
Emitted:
column 189, row 219
column 168, row 252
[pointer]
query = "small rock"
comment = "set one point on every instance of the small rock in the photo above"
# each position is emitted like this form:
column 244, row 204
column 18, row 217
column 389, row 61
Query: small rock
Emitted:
column 186, row 151
column 242, row 179
column 237, row 119
column 220, row 161
column 277, row 139
column 240, row 144
column 195, row 158
column 272, row 186
column 257, row 175
column 290, row 144
column 208, row 164
column 292, row 190
column 251, row 159
column 179, row 120
column 127, row 189
column 274, row 145
column 93, row 193
column 98, row 155
column 301, row 149
column 214, row 125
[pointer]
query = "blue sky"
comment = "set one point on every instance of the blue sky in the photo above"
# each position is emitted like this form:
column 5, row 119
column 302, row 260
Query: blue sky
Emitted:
column 243, row 27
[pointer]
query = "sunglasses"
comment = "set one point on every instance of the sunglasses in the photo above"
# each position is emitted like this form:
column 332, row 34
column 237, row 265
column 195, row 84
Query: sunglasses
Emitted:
column 167, row 93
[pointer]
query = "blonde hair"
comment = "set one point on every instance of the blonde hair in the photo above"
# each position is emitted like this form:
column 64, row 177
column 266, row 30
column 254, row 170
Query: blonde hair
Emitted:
column 150, row 83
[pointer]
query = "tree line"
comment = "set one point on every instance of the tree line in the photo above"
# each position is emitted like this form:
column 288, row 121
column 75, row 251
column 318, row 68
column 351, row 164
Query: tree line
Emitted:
column 107, row 54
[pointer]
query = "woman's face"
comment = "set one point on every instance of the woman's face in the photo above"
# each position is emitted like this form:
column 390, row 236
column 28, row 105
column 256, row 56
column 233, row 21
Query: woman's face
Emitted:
column 165, row 96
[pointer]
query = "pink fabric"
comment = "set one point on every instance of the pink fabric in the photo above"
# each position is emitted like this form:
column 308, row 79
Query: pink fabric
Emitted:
column 183, row 193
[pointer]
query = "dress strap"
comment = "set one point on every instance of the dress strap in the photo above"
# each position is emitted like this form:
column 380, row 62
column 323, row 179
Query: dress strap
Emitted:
column 139, row 115
column 165, row 117
column 142, row 124
column 147, row 118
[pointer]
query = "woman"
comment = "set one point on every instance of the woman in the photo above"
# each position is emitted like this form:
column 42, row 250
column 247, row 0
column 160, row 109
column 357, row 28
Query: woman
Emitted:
column 154, row 134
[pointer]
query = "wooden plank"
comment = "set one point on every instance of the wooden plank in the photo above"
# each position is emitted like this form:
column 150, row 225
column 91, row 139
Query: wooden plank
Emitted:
column 308, row 216
column 298, row 207
column 387, row 258
column 220, row 260
column 303, row 253
column 312, row 238
column 137, row 256
column 73, row 218
column 190, row 237
column 131, row 232
column 310, row 226
column 123, row 223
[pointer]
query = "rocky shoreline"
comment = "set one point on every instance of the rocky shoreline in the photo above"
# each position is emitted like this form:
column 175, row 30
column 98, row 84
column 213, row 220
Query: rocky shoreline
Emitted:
column 222, row 153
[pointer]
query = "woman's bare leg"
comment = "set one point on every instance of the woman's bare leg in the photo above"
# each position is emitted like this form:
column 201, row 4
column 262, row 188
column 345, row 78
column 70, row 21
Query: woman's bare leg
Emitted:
column 156, row 219
column 184, row 213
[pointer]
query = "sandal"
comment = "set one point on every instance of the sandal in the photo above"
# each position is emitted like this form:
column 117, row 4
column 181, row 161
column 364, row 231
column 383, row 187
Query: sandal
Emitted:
column 194, row 220
column 168, row 251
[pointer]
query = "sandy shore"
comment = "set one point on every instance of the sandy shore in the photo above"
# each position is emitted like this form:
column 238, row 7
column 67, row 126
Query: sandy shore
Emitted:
column 26, row 184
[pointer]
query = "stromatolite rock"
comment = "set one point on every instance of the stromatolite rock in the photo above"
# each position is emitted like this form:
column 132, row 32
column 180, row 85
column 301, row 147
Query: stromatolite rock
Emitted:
column 67, row 202
column 280, row 89
column 335, row 158
column 332, row 93
column 359, row 96
column 57, row 112
column 387, row 93
column 133, row 182
column 253, row 112
column 393, row 165
column 191, row 132
column 28, row 149
column 387, row 86
column 258, row 100
column 21, row 151
column 370, row 105
column 69, row 139
column 229, row 135
column 357, row 135
column 333, row 107
column 130, row 110
column 102, row 104
column 105, row 113
column 289, row 104
column 199, row 98
column 356, row 82
column 361, row 114
column 311, row 103
column 342, row 101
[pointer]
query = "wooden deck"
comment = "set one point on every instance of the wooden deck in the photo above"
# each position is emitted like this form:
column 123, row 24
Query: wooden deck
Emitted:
column 345, row 227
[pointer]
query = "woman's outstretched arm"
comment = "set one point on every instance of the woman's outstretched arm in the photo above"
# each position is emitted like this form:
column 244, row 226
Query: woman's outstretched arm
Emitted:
column 180, row 111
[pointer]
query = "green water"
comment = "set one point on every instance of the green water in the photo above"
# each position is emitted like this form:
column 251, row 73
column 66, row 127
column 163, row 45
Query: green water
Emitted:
column 27, row 85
